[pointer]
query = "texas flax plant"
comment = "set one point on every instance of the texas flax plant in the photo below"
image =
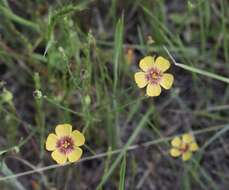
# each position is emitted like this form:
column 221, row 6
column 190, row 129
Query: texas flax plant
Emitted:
column 114, row 95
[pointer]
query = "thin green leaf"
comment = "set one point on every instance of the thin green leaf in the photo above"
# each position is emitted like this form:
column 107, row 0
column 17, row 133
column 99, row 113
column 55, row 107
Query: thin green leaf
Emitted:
column 198, row 71
column 202, row 72
column 9, row 14
column 122, row 174
column 118, row 48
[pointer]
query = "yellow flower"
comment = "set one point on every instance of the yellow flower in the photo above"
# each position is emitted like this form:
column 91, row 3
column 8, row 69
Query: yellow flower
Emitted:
column 153, row 76
column 65, row 144
column 183, row 146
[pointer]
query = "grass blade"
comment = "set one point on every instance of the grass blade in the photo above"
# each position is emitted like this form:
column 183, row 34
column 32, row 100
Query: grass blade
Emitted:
column 122, row 153
column 122, row 174
column 9, row 14
column 13, row 182
column 198, row 71
column 202, row 72
column 118, row 49
column 118, row 43
column 215, row 137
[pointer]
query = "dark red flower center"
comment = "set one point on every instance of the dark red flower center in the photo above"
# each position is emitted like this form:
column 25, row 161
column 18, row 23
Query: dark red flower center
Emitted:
column 184, row 148
column 154, row 75
column 65, row 144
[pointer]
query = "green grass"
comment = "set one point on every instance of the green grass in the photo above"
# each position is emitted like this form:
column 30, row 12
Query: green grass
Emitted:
column 74, row 54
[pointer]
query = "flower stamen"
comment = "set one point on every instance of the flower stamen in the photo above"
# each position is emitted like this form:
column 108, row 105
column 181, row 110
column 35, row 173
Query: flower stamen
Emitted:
column 154, row 75
column 184, row 148
column 65, row 145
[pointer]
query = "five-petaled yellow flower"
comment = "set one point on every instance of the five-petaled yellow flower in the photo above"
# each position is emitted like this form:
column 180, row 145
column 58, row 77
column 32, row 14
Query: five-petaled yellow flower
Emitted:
column 153, row 75
column 65, row 144
column 183, row 146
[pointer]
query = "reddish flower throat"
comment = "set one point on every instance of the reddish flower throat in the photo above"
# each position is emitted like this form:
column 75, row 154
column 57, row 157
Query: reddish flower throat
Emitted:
column 65, row 144
column 184, row 148
column 154, row 75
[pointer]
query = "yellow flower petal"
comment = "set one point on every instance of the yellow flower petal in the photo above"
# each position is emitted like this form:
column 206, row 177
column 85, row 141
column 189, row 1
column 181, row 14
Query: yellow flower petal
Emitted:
column 186, row 156
column 176, row 142
column 63, row 130
column 153, row 90
column 146, row 63
column 78, row 138
column 51, row 142
column 167, row 81
column 175, row 152
column 194, row 147
column 187, row 138
column 140, row 79
column 162, row 64
column 75, row 154
column 59, row 157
